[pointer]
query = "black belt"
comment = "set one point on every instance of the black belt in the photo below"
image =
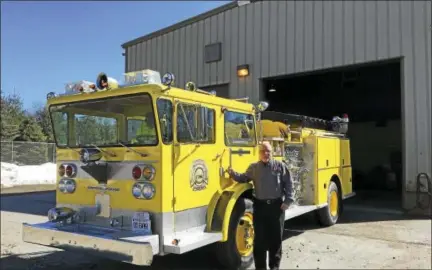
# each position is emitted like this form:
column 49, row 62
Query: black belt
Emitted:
column 268, row 201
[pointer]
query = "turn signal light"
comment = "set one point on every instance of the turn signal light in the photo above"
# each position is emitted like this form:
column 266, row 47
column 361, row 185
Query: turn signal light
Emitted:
column 67, row 170
column 148, row 172
column 61, row 170
column 136, row 172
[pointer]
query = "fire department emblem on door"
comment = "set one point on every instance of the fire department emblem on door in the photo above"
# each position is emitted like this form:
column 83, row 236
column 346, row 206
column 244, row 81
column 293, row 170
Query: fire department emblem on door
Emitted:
column 198, row 175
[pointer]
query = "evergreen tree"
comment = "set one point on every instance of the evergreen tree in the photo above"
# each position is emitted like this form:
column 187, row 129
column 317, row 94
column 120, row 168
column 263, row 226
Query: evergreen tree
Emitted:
column 30, row 153
column 12, row 114
column 43, row 119
column 30, row 130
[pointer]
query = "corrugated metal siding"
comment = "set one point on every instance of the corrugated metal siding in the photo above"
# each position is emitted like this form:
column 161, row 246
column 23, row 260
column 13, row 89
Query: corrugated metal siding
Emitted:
column 285, row 37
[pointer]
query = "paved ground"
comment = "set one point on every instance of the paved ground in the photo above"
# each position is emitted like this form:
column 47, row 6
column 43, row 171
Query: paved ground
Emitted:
column 362, row 239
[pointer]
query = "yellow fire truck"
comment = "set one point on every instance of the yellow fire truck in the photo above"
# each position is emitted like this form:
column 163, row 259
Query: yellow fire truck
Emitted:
column 142, row 169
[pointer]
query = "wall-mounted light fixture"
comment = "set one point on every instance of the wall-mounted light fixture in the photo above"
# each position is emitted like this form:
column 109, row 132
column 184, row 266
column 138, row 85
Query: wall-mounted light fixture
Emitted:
column 272, row 89
column 242, row 70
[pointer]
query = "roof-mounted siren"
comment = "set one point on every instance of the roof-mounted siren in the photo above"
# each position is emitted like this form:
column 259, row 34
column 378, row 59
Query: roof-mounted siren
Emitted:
column 103, row 82
column 340, row 124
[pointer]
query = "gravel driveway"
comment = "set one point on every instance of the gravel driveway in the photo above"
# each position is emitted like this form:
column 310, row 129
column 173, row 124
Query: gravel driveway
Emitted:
column 362, row 239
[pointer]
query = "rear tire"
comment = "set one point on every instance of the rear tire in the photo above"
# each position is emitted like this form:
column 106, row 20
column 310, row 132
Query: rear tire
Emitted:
column 329, row 215
column 235, row 253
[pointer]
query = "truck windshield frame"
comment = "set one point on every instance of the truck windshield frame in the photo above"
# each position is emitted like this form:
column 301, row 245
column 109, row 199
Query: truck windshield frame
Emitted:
column 111, row 120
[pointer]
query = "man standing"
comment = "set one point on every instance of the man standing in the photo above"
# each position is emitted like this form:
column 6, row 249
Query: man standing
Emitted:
column 273, row 195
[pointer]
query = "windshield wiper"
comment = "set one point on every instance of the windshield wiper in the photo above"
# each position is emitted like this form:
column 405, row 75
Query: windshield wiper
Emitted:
column 72, row 149
column 133, row 150
column 108, row 152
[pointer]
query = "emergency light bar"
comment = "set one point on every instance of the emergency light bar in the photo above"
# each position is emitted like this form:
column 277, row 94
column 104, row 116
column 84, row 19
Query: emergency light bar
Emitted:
column 79, row 87
column 146, row 76
column 103, row 82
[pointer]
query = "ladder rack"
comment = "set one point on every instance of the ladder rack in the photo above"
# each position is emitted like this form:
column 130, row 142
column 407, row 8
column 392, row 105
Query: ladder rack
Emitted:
column 298, row 122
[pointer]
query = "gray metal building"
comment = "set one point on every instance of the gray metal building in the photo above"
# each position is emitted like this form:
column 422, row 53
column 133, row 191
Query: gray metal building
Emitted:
column 287, row 37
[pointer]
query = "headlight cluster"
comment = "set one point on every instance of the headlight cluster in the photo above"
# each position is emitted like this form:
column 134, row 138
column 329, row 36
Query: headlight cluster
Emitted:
column 67, row 171
column 67, row 185
column 143, row 191
column 143, row 174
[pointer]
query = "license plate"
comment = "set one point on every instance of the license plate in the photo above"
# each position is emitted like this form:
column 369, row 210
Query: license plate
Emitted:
column 141, row 222
column 136, row 225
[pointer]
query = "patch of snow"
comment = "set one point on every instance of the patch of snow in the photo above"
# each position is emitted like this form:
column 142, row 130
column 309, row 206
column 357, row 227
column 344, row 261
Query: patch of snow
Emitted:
column 14, row 175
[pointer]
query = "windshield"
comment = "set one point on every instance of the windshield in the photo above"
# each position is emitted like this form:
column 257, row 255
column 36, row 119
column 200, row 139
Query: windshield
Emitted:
column 106, row 122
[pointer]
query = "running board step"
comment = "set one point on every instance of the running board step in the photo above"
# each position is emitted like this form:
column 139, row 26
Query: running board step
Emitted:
column 190, row 239
column 298, row 210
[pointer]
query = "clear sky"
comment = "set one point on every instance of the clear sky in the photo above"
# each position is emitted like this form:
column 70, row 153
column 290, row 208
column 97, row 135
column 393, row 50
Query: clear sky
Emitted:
column 47, row 44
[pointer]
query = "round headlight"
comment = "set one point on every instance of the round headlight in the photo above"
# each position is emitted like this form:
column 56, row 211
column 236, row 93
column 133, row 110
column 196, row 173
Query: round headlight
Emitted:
column 70, row 185
column 148, row 191
column 143, row 191
column 67, row 185
column 62, row 186
column 148, row 172
column 136, row 190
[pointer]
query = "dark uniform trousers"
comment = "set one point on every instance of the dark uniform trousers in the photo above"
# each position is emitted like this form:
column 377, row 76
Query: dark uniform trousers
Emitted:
column 268, row 222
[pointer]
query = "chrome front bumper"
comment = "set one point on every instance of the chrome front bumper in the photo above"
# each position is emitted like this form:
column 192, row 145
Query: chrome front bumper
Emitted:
column 114, row 244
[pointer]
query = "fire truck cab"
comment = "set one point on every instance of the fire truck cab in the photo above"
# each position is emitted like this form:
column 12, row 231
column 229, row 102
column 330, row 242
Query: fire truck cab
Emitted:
column 142, row 170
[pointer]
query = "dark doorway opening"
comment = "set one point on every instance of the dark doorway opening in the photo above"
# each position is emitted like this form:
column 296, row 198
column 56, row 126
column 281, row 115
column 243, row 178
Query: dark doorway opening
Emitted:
column 371, row 96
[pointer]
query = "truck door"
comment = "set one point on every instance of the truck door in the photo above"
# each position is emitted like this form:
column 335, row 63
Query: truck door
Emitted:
column 195, row 162
column 240, row 141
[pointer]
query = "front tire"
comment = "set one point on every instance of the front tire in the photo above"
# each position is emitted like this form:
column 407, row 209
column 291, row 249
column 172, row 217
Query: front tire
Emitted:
column 237, row 251
column 329, row 215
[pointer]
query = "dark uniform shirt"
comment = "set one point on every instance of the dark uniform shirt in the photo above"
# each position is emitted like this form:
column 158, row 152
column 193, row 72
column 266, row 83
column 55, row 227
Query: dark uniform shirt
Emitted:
column 271, row 180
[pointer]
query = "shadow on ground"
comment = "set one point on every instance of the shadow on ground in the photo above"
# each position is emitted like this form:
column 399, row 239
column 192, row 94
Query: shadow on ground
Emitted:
column 377, row 199
column 33, row 203
column 197, row 259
